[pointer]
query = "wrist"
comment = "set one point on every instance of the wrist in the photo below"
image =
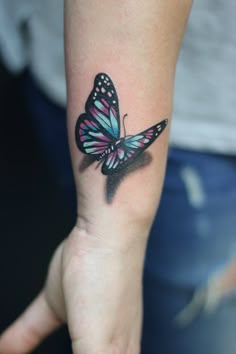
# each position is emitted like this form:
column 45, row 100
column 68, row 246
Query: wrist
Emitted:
column 114, row 226
column 116, row 238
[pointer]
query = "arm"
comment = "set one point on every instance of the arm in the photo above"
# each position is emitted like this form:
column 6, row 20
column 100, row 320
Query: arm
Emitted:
column 94, row 281
column 136, row 44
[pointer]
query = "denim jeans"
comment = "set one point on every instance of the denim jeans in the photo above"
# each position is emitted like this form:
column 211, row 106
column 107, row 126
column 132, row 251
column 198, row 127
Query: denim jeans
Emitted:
column 192, row 245
column 191, row 251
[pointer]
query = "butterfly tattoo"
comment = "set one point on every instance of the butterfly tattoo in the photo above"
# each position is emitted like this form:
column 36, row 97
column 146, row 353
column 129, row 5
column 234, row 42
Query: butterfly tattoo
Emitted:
column 97, row 131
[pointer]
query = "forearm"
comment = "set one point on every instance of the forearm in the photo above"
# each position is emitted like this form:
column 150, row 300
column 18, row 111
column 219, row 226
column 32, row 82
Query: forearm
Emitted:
column 136, row 44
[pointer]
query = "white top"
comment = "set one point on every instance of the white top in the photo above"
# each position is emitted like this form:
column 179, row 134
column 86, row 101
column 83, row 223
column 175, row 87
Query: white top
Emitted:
column 31, row 33
column 205, row 93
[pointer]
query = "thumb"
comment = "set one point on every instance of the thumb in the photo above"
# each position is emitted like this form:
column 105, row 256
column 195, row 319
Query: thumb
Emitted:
column 28, row 331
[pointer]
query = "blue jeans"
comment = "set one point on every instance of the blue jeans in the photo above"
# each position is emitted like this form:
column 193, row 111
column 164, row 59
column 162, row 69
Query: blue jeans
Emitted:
column 191, row 245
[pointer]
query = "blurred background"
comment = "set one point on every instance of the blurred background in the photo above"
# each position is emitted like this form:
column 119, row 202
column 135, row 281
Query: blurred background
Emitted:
column 34, row 215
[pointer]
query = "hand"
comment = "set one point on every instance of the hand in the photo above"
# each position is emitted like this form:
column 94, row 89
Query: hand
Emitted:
column 94, row 288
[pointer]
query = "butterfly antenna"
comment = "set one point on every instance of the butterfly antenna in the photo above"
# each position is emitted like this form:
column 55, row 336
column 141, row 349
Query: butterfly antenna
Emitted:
column 124, row 123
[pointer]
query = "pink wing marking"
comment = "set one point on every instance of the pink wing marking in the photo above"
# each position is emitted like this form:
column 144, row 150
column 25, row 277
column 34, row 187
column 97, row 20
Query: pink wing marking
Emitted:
column 101, row 107
column 121, row 153
column 96, row 114
column 105, row 103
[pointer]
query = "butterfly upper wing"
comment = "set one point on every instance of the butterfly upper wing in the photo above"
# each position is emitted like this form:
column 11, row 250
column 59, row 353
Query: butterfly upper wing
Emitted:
column 100, row 125
column 131, row 147
column 103, row 107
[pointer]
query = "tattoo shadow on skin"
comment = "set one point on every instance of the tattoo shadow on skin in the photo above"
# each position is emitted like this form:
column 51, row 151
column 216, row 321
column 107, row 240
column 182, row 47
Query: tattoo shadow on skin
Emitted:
column 86, row 162
column 113, row 181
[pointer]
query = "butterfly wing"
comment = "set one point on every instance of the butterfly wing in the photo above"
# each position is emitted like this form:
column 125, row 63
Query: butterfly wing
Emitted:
column 103, row 107
column 131, row 147
column 100, row 125
column 90, row 138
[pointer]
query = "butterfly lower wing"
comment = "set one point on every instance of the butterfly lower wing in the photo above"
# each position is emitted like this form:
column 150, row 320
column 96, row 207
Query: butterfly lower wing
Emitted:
column 102, row 106
column 111, row 163
column 91, row 139
column 130, row 148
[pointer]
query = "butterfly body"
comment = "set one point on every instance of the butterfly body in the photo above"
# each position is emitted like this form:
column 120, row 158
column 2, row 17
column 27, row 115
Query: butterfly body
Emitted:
column 111, row 147
column 97, row 131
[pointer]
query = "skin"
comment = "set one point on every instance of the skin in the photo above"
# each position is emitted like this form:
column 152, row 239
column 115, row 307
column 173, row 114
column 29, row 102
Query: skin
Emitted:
column 94, row 280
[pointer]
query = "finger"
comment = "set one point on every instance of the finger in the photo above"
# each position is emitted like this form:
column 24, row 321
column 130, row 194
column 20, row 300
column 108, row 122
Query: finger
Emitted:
column 28, row 331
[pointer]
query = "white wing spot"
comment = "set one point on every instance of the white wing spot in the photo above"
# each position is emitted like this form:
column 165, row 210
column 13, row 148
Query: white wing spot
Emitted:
column 102, row 77
column 103, row 90
column 109, row 94
column 114, row 102
column 99, row 83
